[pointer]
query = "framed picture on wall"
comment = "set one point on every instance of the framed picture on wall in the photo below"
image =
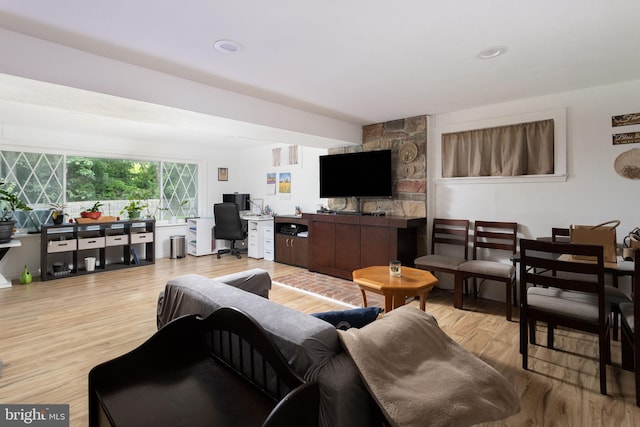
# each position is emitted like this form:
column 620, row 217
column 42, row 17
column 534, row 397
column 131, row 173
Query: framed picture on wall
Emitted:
column 223, row 174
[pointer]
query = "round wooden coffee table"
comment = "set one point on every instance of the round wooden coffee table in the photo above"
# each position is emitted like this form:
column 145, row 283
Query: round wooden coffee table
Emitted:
column 413, row 282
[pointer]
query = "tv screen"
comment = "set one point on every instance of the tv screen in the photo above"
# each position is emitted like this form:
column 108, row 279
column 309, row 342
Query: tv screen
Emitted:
column 365, row 174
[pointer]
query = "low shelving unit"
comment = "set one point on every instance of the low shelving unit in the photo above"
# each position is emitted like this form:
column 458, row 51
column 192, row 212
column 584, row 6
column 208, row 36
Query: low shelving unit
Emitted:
column 65, row 248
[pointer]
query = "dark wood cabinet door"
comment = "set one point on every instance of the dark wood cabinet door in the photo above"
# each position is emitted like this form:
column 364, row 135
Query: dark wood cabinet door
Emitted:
column 323, row 252
column 299, row 251
column 291, row 250
column 347, row 247
column 282, row 248
column 375, row 243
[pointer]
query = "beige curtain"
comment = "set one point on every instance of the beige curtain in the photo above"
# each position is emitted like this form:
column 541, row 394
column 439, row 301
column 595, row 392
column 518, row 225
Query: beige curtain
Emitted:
column 520, row 149
column 275, row 156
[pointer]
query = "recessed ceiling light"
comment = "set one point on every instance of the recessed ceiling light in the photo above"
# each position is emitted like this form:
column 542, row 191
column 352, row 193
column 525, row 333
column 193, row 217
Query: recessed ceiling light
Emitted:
column 227, row 46
column 492, row 52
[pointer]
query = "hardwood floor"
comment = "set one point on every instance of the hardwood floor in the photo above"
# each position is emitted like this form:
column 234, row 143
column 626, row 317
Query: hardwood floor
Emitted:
column 52, row 333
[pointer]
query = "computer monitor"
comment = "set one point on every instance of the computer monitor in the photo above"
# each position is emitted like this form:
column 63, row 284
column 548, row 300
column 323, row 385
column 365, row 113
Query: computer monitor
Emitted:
column 241, row 200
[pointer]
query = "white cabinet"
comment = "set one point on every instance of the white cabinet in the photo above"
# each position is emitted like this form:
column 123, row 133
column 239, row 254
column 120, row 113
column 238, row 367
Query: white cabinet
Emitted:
column 269, row 252
column 260, row 237
column 199, row 236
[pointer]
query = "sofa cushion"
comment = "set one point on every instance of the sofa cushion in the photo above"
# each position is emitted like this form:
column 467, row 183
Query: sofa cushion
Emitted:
column 354, row 318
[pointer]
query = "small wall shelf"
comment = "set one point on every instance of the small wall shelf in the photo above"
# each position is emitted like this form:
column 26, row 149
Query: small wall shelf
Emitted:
column 119, row 244
column 200, row 236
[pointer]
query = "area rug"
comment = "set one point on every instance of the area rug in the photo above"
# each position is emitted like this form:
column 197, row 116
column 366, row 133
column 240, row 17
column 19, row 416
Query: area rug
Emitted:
column 330, row 287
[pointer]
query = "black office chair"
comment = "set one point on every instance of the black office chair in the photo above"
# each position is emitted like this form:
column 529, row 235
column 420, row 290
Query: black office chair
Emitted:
column 228, row 226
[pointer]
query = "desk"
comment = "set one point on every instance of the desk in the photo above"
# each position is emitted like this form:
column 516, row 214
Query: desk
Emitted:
column 259, row 236
column 4, row 248
column 413, row 282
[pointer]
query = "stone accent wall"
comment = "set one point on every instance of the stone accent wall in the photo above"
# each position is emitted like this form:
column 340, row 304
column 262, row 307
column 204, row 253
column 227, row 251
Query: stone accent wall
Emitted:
column 407, row 140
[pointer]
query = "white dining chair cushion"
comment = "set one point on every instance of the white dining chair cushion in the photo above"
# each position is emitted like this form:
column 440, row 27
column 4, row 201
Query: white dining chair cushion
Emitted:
column 580, row 305
column 438, row 261
column 626, row 310
column 488, row 268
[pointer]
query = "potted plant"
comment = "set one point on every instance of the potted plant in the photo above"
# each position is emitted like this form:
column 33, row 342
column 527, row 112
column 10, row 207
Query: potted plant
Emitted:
column 133, row 209
column 9, row 202
column 93, row 212
column 57, row 214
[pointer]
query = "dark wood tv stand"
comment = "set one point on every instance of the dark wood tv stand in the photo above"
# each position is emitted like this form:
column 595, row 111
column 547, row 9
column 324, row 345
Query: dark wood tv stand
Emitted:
column 339, row 244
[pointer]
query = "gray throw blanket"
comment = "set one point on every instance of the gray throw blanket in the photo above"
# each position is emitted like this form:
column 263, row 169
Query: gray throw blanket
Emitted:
column 421, row 377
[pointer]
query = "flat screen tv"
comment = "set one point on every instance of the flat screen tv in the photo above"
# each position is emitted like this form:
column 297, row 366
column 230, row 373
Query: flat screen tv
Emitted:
column 364, row 174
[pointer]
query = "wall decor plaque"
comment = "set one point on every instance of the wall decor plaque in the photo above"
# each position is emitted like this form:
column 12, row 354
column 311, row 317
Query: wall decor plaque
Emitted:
column 625, row 119
column 223, row 174
column 408, row 152
column 626, row 138
column 627, row 164
column 409, row 170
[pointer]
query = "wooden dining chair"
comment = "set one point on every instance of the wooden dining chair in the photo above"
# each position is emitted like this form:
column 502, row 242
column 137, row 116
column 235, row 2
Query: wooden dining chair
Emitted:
column 489, row 235
column 446, row 232
column 560, row 234
column 566, row 293
column 631, row 330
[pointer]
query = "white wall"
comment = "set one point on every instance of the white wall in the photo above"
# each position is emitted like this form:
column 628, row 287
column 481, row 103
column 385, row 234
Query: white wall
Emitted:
column 253, row 166
column 593, row 191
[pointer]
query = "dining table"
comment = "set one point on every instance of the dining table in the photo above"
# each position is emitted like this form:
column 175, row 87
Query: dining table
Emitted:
column 620, row 268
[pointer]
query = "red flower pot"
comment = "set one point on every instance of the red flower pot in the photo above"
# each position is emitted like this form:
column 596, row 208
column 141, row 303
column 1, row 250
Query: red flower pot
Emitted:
column 92, row 215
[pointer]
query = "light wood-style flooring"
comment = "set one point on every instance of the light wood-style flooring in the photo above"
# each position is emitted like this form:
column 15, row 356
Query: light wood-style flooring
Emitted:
column 52, row 333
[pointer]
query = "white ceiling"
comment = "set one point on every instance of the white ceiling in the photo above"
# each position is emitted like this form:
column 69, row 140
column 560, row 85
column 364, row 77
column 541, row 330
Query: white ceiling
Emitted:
column 360, row 61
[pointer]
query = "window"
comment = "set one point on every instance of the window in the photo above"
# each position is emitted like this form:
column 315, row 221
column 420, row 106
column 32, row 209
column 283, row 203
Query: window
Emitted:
column 39, row 180
column 512, row 150
column 90, row 179
column 39, row 177
column 461, row 123
column 180, row 188
column 169, row 188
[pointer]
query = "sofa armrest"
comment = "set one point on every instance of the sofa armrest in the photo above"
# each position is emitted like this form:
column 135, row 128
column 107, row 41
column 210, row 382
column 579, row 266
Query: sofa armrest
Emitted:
column 257, row 281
